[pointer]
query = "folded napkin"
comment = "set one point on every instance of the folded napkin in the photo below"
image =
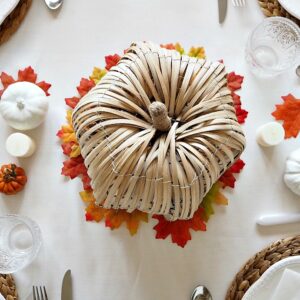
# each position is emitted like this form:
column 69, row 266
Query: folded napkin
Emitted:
column 288, row 286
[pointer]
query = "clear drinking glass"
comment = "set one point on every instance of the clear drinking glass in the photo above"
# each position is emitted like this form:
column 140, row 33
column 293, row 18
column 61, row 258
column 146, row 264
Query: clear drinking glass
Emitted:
column 20, row 241
column 273, row 47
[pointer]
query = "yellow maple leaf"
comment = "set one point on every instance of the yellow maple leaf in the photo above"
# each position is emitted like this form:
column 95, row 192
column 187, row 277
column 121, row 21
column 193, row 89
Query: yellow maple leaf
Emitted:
column 97, row 74
column 67, row 134
column 221, row 199
column 179, row 48
column 198, row 52
column 69, row 117
column 87, row 196
column 76, row 151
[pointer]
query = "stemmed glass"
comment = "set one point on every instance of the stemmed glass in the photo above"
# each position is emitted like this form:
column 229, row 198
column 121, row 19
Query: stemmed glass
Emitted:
column 20, row 242
column 273, row 47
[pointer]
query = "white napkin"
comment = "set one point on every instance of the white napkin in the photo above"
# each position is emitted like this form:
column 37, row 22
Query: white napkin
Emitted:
column 288, row 286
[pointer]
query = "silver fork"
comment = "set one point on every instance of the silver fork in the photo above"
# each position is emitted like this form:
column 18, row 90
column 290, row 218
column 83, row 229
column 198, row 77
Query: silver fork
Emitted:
column 39, row 293
column 239, row 2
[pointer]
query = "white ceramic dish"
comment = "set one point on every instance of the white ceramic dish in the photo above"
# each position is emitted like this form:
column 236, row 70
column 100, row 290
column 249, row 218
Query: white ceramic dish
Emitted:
column 6, row 7
column 292, row 6
column 263, row 288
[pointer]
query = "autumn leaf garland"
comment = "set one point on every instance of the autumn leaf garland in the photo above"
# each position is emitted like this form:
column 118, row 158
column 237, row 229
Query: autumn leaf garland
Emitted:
column 180, row 230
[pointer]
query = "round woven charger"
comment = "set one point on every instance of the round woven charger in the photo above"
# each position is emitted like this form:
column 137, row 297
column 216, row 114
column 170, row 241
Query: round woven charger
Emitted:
column 259, row 263
column 7, row 287
column 272, row 8
column 13, row 20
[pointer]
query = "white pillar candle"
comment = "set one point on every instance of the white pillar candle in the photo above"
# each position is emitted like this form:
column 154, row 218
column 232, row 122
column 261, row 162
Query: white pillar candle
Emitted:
column 20, row 145
column 270, row 134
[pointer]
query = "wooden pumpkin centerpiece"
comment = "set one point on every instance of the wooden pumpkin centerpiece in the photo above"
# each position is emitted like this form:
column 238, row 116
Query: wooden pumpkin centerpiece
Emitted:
column 158, row 131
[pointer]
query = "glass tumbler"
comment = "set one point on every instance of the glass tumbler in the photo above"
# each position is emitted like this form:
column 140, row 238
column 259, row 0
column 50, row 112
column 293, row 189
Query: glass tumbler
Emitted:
column 20, row 242
column 273, row 47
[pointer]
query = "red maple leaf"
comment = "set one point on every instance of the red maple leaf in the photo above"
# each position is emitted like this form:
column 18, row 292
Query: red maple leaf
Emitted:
column 228, row 178
column 86, row 181
column 74, row 167
column 180, row 229
column 241, row 114
column 85, row 86
column 234, row 81
column 72, row 102
column 27, row 74
column 236, row 99
column 6, row 79
column 289, row 113
column 44, row 86
column 67, row 147
column 89, row 217
column 111, row 60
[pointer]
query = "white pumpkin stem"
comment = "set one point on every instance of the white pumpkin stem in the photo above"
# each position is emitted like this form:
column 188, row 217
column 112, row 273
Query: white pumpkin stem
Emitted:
column 20, row 104
column 160, row 119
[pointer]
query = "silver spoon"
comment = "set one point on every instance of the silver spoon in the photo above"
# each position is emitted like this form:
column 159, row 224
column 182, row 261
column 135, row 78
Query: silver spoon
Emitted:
column 298, row 71
column 53, row 4
column 201, row 293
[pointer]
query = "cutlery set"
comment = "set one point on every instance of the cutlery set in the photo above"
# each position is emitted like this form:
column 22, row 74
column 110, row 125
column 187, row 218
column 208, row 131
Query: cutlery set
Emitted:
column 40, row 293
column 222, row 4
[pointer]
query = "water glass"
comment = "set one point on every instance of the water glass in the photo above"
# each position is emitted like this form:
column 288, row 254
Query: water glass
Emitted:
column 273, row 47
column 20, row 242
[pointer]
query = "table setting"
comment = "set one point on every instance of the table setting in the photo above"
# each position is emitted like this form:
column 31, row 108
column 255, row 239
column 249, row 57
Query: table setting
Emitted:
column 150, row 160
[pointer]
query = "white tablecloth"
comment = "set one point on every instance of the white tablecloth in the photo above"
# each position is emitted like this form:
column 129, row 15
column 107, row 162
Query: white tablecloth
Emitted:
column 62, row 47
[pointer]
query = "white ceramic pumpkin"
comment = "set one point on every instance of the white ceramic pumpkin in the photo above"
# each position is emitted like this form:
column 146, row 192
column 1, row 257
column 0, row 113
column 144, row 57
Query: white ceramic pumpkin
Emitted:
column 292, row 172
column 23, row 105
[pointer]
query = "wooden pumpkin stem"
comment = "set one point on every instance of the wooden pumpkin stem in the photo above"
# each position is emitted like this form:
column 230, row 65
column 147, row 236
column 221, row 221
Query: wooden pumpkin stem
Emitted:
column 159, row 115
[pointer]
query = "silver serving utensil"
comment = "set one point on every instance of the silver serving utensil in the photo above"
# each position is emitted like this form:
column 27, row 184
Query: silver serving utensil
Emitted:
column 298, row 71
column 222, row 10
column 66, row 289
column 201, row 293
column 54, row 4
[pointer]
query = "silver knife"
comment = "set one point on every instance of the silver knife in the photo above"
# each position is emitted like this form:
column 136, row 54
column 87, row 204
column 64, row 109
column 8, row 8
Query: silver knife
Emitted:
column 66, row 289
column 222, row 10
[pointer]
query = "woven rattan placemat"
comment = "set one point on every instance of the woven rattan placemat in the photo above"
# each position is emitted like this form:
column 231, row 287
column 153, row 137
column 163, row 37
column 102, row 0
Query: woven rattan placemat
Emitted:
column 13, row 21
column 8, row 287
column 272, row 8
column 259, row 263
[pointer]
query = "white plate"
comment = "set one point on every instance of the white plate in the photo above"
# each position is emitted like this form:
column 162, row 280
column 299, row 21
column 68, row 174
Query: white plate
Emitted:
column 6, row 7
column 263, row 288
column 292, row 6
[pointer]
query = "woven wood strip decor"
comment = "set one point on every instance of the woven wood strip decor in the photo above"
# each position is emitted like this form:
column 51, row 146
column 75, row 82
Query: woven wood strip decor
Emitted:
column 272, row 8
column 158, row 131
column 8, row 287
column 259, row 263
column 13, row 21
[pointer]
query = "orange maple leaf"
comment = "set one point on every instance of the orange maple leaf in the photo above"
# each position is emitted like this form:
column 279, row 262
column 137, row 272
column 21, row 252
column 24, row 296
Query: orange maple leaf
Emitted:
column 115, row 218
column 94, row 213
column 289, row 113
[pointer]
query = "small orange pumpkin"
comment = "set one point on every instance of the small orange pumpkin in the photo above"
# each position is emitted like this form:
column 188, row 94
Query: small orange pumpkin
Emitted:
column 12, row 179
